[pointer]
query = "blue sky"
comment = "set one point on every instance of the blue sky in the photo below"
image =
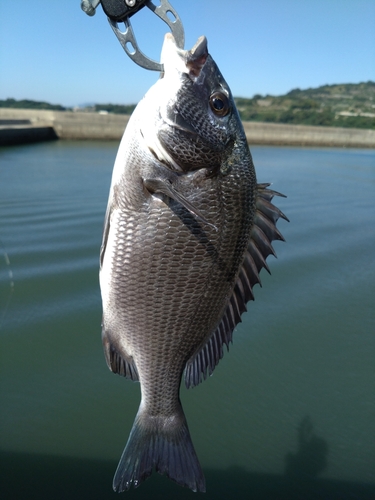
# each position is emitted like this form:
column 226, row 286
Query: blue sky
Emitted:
column 50, row 50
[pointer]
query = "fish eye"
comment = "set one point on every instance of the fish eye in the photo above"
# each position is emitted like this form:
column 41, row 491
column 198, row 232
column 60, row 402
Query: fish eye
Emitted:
column 219, row 103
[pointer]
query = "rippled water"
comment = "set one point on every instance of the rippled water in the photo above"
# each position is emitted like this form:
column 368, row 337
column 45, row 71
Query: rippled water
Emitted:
column 291, row 407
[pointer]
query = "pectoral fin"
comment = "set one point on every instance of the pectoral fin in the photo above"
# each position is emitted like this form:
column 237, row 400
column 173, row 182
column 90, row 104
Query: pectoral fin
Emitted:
column 166, row 187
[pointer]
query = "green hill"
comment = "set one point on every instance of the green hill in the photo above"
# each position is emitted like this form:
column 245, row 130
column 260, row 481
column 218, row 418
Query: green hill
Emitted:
column 29, row 104
column 344, row 105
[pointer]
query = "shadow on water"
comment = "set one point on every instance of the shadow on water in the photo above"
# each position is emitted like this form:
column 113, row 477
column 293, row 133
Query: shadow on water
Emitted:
column 311, row 457
column 302, row 468
column 46, row 477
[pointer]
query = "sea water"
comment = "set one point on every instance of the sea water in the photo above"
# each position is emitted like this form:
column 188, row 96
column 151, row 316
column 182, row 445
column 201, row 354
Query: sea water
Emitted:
column 289, row 410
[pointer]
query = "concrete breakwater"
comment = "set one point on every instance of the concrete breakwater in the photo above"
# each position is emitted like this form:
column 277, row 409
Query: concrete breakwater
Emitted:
column 46, row 125
column 65, row 124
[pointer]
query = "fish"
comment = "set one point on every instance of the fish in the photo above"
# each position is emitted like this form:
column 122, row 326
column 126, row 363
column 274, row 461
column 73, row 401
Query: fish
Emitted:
column 187, row 231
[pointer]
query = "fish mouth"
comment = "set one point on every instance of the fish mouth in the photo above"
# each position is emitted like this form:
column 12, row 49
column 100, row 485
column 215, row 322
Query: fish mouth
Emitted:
column 186, row 61
column 196, row 57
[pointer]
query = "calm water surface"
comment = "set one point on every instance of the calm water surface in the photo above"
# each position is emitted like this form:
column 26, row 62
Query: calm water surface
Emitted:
column 293, row 402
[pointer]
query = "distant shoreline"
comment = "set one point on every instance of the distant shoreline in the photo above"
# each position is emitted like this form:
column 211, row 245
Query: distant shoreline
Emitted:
column 19, row 126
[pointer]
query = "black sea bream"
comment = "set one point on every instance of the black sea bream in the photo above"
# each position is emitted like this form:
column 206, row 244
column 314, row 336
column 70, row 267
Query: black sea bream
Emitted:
column 187, row 230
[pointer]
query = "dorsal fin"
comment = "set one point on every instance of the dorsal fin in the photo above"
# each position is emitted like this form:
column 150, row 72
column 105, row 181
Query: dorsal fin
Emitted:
column 259, row 248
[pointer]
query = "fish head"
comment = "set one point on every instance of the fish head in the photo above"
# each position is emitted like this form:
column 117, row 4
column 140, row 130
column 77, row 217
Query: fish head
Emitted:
column 197, row 120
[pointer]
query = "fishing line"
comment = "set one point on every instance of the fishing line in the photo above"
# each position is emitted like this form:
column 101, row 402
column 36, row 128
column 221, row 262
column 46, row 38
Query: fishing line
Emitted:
column 11, row 283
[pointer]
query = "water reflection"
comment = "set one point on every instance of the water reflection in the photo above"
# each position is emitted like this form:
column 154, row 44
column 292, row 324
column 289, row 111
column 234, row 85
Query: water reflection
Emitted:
column 311, row 457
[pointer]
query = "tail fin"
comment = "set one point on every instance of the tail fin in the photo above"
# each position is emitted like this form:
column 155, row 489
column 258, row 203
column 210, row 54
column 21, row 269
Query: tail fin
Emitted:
column 163, row 443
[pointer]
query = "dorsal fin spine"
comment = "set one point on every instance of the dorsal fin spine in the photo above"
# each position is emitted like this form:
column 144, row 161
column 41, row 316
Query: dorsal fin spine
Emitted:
column 251, row 270
column 262, row 242
column 246, row 285
column 259, row 247
column 257, row 256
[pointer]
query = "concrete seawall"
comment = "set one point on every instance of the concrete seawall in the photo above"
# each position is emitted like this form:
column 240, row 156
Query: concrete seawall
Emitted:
column 66, row 124
column 17, row 134
column 46, row 125
column 303, row 135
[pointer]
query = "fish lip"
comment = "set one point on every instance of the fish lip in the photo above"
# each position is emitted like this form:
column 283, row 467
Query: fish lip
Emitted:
column 190, row 61
column 196, row 57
